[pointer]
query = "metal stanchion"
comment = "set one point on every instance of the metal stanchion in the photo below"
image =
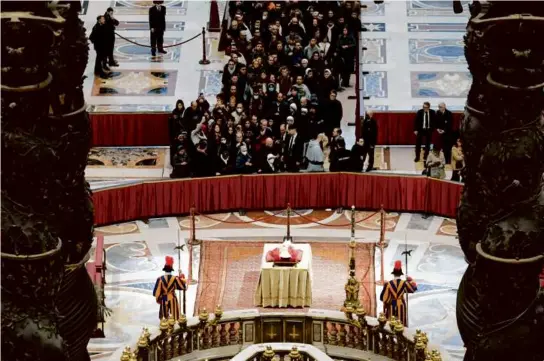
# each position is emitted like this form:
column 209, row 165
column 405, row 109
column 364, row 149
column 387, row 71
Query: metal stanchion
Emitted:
column 204, row 60
column 192, row 242
column 381, row 244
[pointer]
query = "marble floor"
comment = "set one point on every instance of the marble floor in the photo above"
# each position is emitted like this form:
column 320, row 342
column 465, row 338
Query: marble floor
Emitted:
column 136, row 251
column 414, row 54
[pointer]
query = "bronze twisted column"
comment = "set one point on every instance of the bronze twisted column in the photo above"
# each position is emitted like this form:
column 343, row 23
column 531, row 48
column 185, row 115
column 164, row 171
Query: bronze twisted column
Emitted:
column 500, row 307
column 46, row 203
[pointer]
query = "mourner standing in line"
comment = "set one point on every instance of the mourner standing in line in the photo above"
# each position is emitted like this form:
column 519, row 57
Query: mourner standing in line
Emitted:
column 99, row 39
column 423, row 128
column 111, row 23
column 370, row 137
column 444, row 127
column 157, row 26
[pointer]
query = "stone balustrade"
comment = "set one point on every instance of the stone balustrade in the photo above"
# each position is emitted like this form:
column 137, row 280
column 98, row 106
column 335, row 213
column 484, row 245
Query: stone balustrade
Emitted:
column 281, row 351
column 349, row 335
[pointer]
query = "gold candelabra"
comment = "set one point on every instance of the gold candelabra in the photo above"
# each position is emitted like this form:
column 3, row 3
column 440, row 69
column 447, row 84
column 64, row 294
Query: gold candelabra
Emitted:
column 352, row 285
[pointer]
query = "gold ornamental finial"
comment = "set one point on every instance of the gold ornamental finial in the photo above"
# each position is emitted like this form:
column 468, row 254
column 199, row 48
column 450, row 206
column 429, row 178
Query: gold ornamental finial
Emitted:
column 147, row 334
column 360, row 312
column 268, row 354
column 203, row 315
column 218, row 312
column 435, row 355
column 392, row 323
column 294, row 355
column 171, row 322
column 163, row 325
column 419, row 344
column 424, row 338
column 133, row 357
column 142, row 341
column 126, row 354
column 399, row 327
column 381, row 318
column 182, row 321
column 428, row 356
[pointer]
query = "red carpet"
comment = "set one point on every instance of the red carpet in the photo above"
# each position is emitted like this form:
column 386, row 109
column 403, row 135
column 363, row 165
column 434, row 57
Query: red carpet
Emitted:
column 229, row 274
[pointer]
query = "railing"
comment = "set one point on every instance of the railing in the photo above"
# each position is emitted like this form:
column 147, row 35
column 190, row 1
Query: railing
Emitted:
column 335, row 333
column 281, row 352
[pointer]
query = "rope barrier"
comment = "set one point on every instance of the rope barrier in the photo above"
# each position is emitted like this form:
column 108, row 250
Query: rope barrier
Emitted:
column 241, row 222
column 275, row 214
column 167, row 46
column 333, row 225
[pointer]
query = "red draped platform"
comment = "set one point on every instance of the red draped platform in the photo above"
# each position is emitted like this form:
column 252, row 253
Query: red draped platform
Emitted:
column 397, row 128
column 129, row 129
column 257, row 192
column 151, row 129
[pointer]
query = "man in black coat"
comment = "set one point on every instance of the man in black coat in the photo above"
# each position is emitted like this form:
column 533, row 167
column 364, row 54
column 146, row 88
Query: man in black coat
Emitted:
column 370, row 137
column 202, row 161
column 423, row 128
column 111, row 23
column 294, row 151
column 157, row 24
column 342, row 161
column 191, row 117
column 332, row 113
column 99, row 39
column 444, row 127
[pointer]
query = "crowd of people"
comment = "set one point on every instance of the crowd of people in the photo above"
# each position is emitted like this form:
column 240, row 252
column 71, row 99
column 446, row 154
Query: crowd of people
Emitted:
column 278, row 108
column 103, row 39
column 436, row 127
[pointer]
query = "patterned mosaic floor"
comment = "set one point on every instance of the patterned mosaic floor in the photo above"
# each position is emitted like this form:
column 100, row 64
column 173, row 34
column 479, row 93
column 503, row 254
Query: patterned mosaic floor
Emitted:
column 127, row 52
column 136, row 250
column 410, row 61
column 136, row 83
column 132, row 7
column 143, row 82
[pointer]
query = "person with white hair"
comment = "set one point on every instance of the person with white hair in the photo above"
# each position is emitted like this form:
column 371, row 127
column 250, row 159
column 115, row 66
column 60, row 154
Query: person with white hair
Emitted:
column 270, row 166
column 244, row 163
column 444, row 128
column 293, row 109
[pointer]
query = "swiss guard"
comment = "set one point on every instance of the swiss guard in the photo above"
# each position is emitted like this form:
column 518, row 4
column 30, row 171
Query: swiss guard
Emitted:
column 165, row 290
column 392, row 296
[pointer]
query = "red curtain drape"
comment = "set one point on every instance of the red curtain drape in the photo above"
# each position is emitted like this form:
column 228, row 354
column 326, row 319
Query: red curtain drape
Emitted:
column 151, row 129
column 325, row 190
column 129, row 129
column 397, row 128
